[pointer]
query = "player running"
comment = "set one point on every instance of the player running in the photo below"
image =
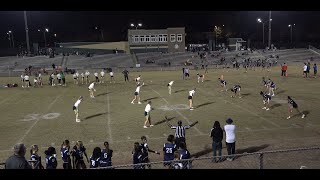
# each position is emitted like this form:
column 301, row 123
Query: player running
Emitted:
column 200, row 76
column 223, row 84
column 266, row 100
column 236, row 89
column 293, row 105
column 137, row 94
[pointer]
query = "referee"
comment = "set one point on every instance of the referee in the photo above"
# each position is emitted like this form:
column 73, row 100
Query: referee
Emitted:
column 180, row 132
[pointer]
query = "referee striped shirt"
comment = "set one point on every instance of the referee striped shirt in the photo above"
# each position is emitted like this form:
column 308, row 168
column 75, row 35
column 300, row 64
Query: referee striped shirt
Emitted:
column 180, row 130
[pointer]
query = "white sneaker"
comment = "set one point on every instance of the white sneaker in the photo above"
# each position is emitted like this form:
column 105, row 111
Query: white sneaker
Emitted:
column 151, row 125
column 264, row 108
column 191, row 109
column 288, row 117
column 303, row 116
column 145, row 127
column 267, row 109
column 139, row 102
column 78, row 120
column 272, row 94
column 132, row 102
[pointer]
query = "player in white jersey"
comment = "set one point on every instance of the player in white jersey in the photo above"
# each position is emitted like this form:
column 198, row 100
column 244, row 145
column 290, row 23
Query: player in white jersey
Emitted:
column 82, row 78
column 59, row 78
column 190, row 97
column 26, row 80
column 35, row 82
column 76, row 108
column 87, row 74
column 200, row 76
column 138, row 79
column 52, row 79
column 22, row 79
column 97, row 76
column 169, row 86
column 40, row 79
column 92, row 89
column 102, row 76
column 111, row 77
column 74, row 78
column 137, row 94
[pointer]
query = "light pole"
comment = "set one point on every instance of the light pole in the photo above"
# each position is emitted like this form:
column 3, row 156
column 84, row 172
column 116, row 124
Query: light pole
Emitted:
column 260, row 21
column 136, row 26
column 269, row 38
column 101, row 30
column 9, row 39
column 11, row 33
column 216, row 29
column 27, row 33
column 44, row 36
column 290, row 26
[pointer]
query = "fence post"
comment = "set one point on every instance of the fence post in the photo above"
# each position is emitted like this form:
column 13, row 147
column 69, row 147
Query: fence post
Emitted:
column 261, row 161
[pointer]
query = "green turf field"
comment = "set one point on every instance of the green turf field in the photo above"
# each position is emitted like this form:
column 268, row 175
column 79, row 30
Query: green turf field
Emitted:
column 44, row 116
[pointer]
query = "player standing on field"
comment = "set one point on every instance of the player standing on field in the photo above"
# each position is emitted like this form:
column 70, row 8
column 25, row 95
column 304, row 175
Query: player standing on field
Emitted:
column 111, row 77
column 87, row 74
column 91, row 89
column 293, row 105
column 76, row 108
column 169, row 86
column 137, row 94
column 266, row 100
column 190, row 97
column 200, row 76
column 102, row 76
column 147, row 111
column 223, row 84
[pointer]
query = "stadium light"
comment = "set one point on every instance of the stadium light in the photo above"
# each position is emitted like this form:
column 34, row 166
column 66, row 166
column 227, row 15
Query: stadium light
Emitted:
column 44, row 35
column 261, row 21
column 136, row 26
column 291, row 26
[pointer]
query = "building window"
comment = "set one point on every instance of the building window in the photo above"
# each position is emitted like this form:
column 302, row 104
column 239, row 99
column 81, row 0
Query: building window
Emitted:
column 172, row 38
column 136, row 39
column 148, row 38
column 160, row 38
column 179, row 37
column 142, row 39
column 153, row 38
column 165, row 38
column 156, row 38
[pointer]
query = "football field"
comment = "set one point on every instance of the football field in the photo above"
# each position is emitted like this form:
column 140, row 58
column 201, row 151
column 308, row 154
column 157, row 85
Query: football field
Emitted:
column 44, row 116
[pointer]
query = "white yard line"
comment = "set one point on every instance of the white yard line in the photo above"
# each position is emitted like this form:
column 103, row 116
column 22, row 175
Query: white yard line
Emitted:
column 109, row 117
column 240, row 107
column 31, row 127
column 201, row 133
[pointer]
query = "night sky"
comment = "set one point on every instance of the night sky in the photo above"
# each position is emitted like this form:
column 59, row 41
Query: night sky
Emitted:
column 79, row 25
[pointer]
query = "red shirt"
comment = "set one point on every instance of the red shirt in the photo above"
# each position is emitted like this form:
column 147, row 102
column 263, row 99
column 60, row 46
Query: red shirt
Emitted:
column 284, row 67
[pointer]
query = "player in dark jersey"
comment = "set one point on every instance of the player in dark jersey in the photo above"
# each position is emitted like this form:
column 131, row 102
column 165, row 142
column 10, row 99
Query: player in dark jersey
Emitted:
column 35, row 159
column 77, row 156
column 266, row 100
column 51, row 160
column 106, row 155
column 145, row 152
column 95, row 158
column 236, row 89
column 136, row 156
column 65, row 154
column 223, row 84
column 293, row 105
column 264, row 82
column 272, row 87
column 176, row 164
column 184, row 154
column 168, row 151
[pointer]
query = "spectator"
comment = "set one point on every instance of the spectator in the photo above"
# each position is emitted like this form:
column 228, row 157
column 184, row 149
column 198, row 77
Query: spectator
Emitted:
column 95, row 158
column 35, row 159
column 18, row 161
column 217, row 136
column 53, row 66
column 51, row 161
column 229, row 128
column 284, row 68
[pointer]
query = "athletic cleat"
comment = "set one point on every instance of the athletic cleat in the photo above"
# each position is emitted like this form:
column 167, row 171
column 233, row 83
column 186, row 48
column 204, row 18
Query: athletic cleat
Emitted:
column 78, row 120
column 139, row 102
column 191, row 109
column 267, row 109
column 288, row 117
column 132, row 102
column 264, row 108
column 145, row 127
column 151, row 125
column 303, row 116
column 272, row 94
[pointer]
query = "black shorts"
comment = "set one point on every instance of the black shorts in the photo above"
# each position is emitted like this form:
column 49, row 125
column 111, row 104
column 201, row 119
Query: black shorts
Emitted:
column 189, row 97
column 74, row 108
column 295, row 105
column 186, row 74
column 27, row 80
column 168, row 85
column 136, row 93
column 112, row 76
column 145, row 113
column 304, row 71
column 75, row 78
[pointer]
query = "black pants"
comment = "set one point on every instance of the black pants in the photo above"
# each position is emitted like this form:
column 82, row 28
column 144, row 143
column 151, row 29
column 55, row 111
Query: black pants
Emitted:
column 64, row 80
column 179, row 140
column 126, row 78
column 67, row 165
column 283, row 73
column 231, row 148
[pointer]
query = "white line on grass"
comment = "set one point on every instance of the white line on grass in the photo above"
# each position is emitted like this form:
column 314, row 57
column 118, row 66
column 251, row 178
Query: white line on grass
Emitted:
column 109, row 117
column 179, row 112
column 31, row 127
column 240, row 107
